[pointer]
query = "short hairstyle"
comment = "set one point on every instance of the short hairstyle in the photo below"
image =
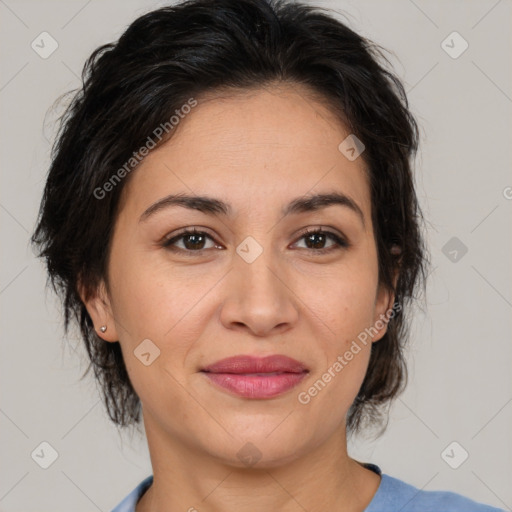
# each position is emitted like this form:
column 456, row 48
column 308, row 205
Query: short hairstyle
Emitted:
column 193, row 48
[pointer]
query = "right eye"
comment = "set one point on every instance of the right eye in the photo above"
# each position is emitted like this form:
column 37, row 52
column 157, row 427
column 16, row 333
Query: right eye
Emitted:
column 193, row 241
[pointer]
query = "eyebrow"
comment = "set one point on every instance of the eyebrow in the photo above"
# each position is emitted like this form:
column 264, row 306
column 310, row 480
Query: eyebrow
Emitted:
column 214, row 206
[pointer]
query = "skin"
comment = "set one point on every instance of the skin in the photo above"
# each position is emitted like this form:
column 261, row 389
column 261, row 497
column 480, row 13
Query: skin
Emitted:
column 256, row 150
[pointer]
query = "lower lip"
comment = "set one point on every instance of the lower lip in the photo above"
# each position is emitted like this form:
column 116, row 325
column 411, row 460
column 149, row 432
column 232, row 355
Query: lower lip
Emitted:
column 256, row 386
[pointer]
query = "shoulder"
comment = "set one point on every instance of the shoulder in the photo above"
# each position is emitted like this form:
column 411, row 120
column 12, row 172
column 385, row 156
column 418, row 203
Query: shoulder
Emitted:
column 394, row 494
column 130, row 501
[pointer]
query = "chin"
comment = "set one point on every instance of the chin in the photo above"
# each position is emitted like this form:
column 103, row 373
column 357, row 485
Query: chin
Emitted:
column 259, row 450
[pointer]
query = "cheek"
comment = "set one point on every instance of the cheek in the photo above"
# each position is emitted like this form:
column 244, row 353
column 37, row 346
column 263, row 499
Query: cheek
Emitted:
column 163, row 303
column 344, row 308
column 345, row 351
column 149, row 298
column 153, row 303
column 344, row 301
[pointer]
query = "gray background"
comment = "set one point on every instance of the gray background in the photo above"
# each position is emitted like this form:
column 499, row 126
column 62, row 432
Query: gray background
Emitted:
column 460, row 355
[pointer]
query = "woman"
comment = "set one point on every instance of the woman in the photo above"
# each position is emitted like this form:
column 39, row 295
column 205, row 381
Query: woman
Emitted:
column 231, row 218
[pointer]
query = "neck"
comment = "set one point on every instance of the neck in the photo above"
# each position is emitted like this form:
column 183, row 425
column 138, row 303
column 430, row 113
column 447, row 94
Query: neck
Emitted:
column 188, row 479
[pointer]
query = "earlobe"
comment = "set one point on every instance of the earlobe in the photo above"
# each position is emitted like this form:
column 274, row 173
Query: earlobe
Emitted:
column 99, row 308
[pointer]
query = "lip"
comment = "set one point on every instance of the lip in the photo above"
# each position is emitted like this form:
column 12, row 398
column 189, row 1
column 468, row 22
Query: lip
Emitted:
column 255, row 377
column 252, row 364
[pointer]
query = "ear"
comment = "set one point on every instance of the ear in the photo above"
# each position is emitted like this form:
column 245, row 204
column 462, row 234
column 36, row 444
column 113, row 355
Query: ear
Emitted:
column 383, row 309
column 99, row 308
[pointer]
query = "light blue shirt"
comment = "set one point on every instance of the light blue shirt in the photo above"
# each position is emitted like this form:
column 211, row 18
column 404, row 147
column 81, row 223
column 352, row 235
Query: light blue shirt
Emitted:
column 393, row 495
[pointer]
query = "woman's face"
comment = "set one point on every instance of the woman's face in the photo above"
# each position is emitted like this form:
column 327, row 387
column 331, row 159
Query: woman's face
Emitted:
column 253, row 283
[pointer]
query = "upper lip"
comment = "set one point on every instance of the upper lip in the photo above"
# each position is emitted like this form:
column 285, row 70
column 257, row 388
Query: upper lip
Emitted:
column 250, row 364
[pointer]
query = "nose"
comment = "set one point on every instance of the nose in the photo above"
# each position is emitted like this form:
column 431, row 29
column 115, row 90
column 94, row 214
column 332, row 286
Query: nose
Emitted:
column 260, row 297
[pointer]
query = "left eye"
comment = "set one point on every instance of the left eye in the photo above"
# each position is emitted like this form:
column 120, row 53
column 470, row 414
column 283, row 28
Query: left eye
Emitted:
column 318, row 237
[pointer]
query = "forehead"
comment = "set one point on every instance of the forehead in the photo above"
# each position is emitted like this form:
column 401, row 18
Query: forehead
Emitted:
column 262, row 145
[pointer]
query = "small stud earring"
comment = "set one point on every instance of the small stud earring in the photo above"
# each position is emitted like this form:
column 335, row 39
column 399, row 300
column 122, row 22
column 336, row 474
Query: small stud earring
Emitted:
column 103, row 328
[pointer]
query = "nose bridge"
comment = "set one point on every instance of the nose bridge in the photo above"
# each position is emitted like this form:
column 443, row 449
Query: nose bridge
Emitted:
column 259, row 297
column 256, row 266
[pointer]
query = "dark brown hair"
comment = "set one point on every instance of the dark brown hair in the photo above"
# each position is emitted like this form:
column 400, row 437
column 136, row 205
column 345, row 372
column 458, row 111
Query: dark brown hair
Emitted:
column 171, row 54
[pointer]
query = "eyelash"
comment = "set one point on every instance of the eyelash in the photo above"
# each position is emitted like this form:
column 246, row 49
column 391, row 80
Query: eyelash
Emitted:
column 340, row 243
